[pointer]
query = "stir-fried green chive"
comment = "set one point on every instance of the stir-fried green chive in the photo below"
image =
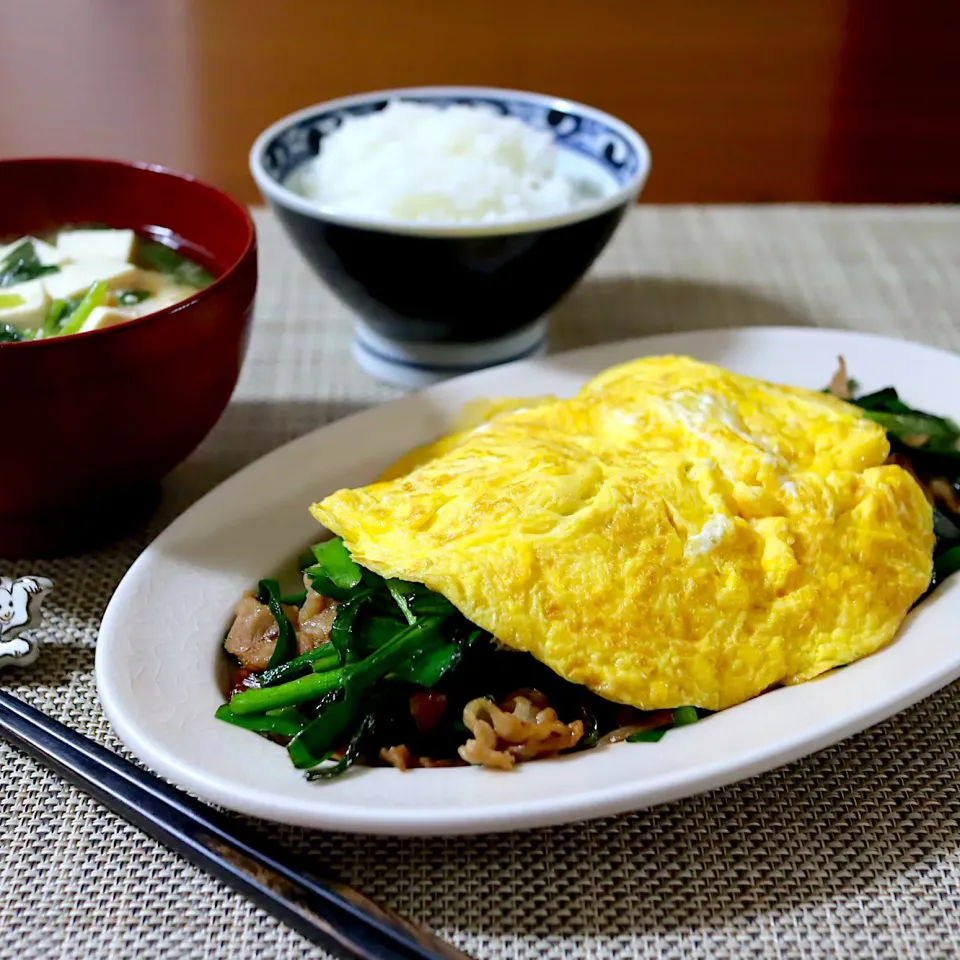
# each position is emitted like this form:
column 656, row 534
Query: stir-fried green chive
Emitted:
column 429, row 604
column 647, row 736
column 945, row 565
column 885, row 399
column 94, row 297
column 902, row 425
column 384, row 634
column 336, row 562
column 294, row 599
column 398, row 590
column 887, row 402
column 683, row 716
column 944, row 527
column 932, row 441
column 278, row 725
column 374, row 632
column 335, row 574
column 428, row 667
column 10, row 334
column 416, row 654
column 323, row 585
column 413, row 650
column 321, row 658
column 319, row 739
column 290, row 694
column 341, row 635
column 286, row 648
column 350, row 755
column 409, row 643
column 932, row 445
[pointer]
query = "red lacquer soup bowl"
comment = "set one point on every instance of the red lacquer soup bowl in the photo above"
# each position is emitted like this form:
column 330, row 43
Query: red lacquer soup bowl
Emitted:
column 95, row 420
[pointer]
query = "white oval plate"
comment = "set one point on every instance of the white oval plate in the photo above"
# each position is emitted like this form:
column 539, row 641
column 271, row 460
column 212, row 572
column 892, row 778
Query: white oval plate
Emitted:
column 159, row 659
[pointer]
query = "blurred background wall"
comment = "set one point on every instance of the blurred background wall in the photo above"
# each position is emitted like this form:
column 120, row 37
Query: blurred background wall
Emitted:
column 740, row 100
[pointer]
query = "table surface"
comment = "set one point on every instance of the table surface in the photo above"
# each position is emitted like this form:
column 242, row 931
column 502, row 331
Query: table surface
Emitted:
column 854, row 852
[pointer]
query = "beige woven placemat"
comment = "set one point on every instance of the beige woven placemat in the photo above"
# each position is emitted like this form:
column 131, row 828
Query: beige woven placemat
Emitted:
column 853, row 853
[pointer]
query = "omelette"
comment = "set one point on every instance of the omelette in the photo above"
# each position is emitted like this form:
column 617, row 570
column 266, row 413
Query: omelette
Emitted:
column 674, row 534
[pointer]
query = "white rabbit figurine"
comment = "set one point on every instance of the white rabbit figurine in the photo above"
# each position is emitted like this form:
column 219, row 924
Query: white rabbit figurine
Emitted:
column 20, row 602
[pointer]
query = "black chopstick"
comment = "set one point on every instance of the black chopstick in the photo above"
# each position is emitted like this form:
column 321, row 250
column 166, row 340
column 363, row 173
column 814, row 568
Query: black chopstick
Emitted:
column 325, row 911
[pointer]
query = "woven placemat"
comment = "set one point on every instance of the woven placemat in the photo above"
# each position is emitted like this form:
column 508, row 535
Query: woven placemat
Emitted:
column 854, row 852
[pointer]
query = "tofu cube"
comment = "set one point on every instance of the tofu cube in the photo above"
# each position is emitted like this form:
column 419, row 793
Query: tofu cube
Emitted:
column 97, row 244
column 102, row 317
column 29, row 312
column 75, row 279
column 166, row 296
column 48, row 255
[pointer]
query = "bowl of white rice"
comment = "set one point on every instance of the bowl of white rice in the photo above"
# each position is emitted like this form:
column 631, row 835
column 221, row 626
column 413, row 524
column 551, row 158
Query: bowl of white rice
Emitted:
column 449, row 219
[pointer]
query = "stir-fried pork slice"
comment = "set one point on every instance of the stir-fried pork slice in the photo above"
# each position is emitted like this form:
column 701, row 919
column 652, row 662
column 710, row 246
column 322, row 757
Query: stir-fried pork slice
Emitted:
column 519, row 730
column 253, row 635
column 839, row 383
column 316, row 620
column 316, row 629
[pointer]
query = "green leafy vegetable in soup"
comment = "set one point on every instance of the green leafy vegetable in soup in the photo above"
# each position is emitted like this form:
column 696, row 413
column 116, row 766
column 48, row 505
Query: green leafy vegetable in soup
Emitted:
column 93, row 298
column 156, row 256
column 127, row 298
column 21, row 263
column 10, row 334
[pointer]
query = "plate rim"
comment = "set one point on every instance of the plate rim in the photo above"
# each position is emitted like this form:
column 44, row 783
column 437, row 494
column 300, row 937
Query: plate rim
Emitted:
column 629, row 795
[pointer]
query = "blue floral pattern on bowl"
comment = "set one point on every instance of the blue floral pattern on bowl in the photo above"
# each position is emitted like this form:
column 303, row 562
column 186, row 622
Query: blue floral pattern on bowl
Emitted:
column 584, row 135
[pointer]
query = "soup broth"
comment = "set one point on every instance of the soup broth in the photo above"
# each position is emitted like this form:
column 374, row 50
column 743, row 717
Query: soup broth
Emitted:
column 80, row 279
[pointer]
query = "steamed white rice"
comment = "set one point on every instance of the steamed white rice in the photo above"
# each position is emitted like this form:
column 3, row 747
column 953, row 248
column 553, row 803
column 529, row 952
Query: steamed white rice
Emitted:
column 418, row 162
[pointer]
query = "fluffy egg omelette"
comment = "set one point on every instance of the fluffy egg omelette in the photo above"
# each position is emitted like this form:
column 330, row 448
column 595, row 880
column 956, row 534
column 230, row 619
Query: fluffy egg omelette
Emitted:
column 674, row 534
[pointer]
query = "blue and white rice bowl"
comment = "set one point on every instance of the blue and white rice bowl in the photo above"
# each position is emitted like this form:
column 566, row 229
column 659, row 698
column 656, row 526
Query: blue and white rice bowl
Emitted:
column 436, row 299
